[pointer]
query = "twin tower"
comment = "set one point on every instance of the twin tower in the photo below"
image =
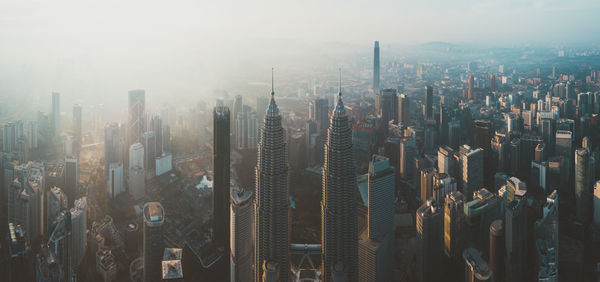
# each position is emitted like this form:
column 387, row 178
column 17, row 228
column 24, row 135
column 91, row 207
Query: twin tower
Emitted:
column 339, row 231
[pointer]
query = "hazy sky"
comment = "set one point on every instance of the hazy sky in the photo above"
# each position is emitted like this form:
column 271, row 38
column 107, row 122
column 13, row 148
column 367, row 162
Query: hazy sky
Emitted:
column 103, row 48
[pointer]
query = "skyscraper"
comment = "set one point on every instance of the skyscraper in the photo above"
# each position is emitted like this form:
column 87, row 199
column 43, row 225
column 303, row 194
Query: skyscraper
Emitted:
column 77, row 130
column 376, row 67
column 497, row 249
column 387, row 105
column 403, row 110
column 492, row 83
column 71, row 176
column 476, row 268
column 515, row 224
column 114, row 182
column 153, row 245
column 78, row 231
column 453, row 224
column 339, row 230
column 471, row 86
column 376, row 243
column 55, row 120
column 149, row 143
column 428, row 110
column 221, row 190
column 471, row 169
column 271, row 207
column 584, row 179
column 136, row 119
column 429, row 224
column 241, row 235
column 112, row 146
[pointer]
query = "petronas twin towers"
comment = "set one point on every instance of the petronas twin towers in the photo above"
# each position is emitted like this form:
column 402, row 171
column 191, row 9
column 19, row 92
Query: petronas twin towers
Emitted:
column 339, row 234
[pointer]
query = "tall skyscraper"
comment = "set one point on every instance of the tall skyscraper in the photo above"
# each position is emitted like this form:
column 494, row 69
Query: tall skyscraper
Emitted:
column 429, row 224
column 515, row 224
column 112, row 146
column 222, row 167
column 55, row 120
column 471, row 169
column 71, row 176
column 114, row 182
column 492, row 83
column 271, row 207
column 237, row 111
column 427, row 183
column 137, row 116
column 453, row 224
column 136, row 155
column 403, row 110
column 149, row 143
column 476, row 268
column 77, row 123
column 339, row 230
column 153, row 244
column 584, row 179
column 428, row 110
column 497, row 249
column 376, row 67
column 78, row 231
column 597, row 203
column 470, row 88
column 387, row 105
column 376, row 243
column 241, row 235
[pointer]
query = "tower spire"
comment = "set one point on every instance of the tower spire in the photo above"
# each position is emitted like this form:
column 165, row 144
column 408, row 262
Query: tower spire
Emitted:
column 272, row 81
column 340, row 90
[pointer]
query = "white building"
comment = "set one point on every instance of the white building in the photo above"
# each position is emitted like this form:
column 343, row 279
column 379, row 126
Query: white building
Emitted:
column 136, row 155
column 114, row 183
column 137, row 182
column 164, row 164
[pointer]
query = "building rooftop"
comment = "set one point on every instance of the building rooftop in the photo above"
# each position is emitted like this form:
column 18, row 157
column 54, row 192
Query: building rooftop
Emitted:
column 173, row 254
column 240, row 196
column 172, row 269
column 481, row 269
column 154, row 212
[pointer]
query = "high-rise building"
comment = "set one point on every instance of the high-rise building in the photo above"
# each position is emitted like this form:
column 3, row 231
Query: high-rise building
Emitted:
column 136, row 124
column 262, row 102
column 387, row 105
column 447, row 161
column 271, row 209
column 470, row 89
column 12, row 132
column 55, row 120
column 443, row 184
column 153, row 244
column 427, row 184
column 428, row 108
column 112, row 146
column 56, row 201
column 515, row 226
column 77, row 125
column 222, row 167
column 136, row 155
column 471, row 174
column 237, row 111
column 241, row 242
column 597, row 203
column 492, row 83
column 114, row 182
column 339, row 230
column 479, row 214
column 476, row 268
column 376, row 67
column 78, row 231
column 497, row 249
column 149, row 143
column 136, row 182
column 403, row 109
column 71, row 176
column 376, row 243
column 453, row 224
column 429, row 224
column 584, row 177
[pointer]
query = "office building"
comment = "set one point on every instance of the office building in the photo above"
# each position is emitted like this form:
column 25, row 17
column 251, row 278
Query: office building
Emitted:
column 136, row 155
column 497, row 249
column 113, row 146
column 339, row 230
column 443, row 184
column 597, row 203
column 403, row 109
column 427, row 183
column 515, row 226
column 429, row 225
column 453, row 224
column 136, row 122
column 470, row 89
column 221, row 191
column 71, row 177
column 241, row 237
column 428, row 107
column 584, row 177
column 271, row 224
column 136, row 182
column 476, row 268
column 492, row 84
column 114, row 182
column 387, row 105
column 376, row 67
column 447, row 161
column 77, row 125
column 471, row 173
column 149, row 145
column 55, row 118
column 479, row 214
column 78, row 231
column 153, row 245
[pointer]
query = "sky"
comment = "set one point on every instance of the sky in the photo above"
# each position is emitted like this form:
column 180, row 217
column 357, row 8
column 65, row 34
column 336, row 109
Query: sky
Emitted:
column 99, row 49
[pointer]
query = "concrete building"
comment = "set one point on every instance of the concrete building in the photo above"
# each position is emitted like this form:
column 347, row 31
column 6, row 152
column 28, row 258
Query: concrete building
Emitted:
column 584, row 177
column 136, row 122
column 114, row 182
column 78, row 231
column 222, row 167
column 339, row 230
column 153, row 244
column 453, row 224
column 476, row 268
column 515, row 224
column 471, row 169
column 429, row 225
column 241, row 236
column 443, row 184
column 137, row 182
column 136, row 155
column 71, row 176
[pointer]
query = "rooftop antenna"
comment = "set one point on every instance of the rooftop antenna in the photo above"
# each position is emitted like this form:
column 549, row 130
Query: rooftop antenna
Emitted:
column 272, row 82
